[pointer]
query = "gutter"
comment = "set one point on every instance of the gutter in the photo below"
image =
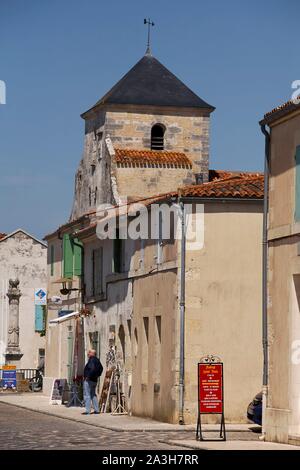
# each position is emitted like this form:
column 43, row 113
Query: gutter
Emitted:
column 265, row 274
column 182, row 315
column 219, row 199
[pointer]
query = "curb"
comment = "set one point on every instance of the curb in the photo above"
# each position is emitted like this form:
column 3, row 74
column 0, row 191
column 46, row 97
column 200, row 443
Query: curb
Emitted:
column 103, row 426
column 112, row 427
column 186, row 446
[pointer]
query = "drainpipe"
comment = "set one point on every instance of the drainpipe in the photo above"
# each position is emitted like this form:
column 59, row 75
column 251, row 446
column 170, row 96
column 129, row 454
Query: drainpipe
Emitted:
column 182, row 316
column 265, row 278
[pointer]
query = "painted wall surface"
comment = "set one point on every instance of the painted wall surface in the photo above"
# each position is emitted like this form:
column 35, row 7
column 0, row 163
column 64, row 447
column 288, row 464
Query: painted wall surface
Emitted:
column 284, row 139
column 154, row 335
column 282, row 413
column 222, row 316
column 24, row 258
column 223, row 304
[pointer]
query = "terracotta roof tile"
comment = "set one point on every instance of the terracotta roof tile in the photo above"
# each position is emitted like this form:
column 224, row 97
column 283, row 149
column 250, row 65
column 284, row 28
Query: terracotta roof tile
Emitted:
column 280, row 111
column 128, row 157
column 222, row 174
column 280, row 107
column 243, row 185
column 2, row 235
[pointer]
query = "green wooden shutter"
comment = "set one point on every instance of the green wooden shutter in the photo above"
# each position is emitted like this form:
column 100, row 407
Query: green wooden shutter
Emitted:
column 67, row 256
column 77, row 257
column 297, row 182
column 39, row 318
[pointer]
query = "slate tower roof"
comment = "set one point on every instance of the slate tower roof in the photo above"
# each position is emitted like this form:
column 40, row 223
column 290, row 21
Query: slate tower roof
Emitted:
column 150, row 83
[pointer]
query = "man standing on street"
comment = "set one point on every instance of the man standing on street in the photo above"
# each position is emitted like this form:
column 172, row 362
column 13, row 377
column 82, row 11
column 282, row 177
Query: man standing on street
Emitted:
column 92, row 372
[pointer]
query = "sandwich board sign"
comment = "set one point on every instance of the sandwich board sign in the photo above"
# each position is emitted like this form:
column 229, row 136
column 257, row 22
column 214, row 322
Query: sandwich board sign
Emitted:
column 9, row 377
column 210, row 392
column 58, row 390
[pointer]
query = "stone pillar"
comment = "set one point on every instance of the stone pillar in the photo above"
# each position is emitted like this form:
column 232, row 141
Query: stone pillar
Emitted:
column 13, row 353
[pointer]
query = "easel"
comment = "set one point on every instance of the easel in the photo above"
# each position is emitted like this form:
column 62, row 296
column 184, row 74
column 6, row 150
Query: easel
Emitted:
column 203, row 401
column 74, row 400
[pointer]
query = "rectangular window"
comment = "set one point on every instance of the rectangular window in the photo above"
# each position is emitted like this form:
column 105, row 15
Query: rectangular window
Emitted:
column 297, row 185
column 94, row 342
column 41, row 358
column 117, row 253
column 52, row 260
column 97, row 274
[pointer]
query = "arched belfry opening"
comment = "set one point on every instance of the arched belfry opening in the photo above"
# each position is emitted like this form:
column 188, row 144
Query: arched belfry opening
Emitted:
column 157, row 137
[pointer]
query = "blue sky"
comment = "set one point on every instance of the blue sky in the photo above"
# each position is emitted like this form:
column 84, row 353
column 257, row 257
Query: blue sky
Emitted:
column 59, row 57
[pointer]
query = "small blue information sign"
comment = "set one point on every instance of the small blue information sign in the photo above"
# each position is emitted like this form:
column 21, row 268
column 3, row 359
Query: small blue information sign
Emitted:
column 9, row 377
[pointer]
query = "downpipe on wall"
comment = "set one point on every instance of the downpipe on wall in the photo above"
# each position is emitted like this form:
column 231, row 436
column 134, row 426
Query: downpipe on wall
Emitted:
column 182, row 315
column 265, row 279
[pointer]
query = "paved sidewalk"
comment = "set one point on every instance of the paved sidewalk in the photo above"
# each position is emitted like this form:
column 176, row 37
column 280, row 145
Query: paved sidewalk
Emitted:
column 230, row 445
column 40, row 403
column 173, row 436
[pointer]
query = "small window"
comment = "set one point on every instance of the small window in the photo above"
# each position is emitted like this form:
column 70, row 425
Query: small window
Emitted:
column 157, row 137
column 97, row 266
column 118, row 253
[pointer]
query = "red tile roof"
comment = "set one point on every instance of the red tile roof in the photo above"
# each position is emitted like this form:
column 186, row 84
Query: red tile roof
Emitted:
column 222, row 174
column 2, row 235
column 280, row 111
column 149, row 158
column 243, row 185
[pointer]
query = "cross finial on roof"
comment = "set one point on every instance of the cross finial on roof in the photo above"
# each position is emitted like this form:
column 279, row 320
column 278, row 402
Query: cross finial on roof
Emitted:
column 149, row 23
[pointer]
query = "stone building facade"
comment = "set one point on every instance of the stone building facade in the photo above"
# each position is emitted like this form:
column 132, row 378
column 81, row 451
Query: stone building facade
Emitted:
column 282, row 413
column 23, row 261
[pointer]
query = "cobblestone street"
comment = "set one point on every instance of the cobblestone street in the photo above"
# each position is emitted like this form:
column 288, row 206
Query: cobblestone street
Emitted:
column 24, row 429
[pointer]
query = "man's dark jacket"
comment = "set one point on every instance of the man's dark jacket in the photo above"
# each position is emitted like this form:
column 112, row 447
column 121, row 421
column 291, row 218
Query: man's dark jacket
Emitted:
column 93, row 369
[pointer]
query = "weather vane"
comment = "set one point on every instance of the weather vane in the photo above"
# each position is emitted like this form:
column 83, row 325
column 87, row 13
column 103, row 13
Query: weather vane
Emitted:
column 149, row 23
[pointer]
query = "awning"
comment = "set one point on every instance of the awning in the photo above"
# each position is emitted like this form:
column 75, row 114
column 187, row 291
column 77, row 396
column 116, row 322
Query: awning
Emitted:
column 69, row 316
column 62, row 280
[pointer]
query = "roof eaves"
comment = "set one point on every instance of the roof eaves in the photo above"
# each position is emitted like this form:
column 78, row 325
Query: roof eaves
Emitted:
column 25, row 233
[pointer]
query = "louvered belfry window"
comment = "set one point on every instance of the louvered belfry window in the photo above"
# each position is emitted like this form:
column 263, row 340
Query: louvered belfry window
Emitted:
column 157, row 137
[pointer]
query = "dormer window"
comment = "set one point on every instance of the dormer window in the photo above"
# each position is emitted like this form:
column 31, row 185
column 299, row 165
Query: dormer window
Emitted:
column 157, row 137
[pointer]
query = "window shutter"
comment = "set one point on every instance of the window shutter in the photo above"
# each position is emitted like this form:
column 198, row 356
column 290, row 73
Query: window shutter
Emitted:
column 39, row 318
column 77, row 257
column 297, row 184
column 67, row 256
